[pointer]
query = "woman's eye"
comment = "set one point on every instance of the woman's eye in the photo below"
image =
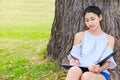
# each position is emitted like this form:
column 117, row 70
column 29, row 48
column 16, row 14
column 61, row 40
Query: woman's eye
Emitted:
column 92, row 18
column 86, row 20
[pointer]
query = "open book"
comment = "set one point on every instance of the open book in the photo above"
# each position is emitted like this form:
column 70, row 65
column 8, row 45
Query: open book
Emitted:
column 67, row 66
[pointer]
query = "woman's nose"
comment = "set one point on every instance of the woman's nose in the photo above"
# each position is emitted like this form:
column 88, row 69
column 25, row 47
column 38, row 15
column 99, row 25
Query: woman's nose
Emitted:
column 90, row 23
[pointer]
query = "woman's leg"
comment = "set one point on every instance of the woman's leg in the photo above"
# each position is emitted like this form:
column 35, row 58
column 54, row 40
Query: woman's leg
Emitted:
column 74, row 73
column 92, row 76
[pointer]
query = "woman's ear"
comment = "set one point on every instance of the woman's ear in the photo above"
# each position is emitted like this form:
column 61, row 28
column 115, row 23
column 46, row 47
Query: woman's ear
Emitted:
column 100, row 17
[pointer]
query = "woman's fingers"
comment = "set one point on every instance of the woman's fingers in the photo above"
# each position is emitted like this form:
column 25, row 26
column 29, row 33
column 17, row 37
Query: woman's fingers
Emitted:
column 71, row 61
column 91, row 68
column 97, row 68
column 74, row 62
column 94, row 68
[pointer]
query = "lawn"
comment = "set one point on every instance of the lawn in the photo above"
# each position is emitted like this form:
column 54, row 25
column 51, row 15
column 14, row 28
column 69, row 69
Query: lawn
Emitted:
column 25, row 27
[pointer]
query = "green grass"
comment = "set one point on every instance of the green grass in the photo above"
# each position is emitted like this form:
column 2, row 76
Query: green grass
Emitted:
column 25, row 32
column 25, row 27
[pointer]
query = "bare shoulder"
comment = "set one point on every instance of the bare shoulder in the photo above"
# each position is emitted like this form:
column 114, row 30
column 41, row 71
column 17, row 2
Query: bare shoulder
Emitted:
column 78, row 37
column 111, row 41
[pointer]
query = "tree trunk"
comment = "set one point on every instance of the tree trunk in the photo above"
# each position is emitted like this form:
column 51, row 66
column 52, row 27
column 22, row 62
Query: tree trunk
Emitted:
column 68, row 21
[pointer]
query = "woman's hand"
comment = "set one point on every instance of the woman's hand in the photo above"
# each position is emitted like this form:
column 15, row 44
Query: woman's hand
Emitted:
column 74, row 62
column 95, row 68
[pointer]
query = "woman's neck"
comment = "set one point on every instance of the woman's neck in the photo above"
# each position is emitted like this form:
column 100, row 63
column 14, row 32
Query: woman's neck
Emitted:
column 96, row 32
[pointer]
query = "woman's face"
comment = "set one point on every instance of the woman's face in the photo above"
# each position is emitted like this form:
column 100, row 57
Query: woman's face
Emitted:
column 92, row 20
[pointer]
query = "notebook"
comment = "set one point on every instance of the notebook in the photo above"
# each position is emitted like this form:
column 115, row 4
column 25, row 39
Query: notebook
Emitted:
column 67, row 66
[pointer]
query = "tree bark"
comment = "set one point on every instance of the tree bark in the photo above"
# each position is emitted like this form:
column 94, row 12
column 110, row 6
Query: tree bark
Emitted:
column 69, row 20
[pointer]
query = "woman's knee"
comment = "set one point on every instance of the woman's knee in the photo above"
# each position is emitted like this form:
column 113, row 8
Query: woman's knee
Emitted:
column 74, row 73
column 86, row 76
column 75, row 69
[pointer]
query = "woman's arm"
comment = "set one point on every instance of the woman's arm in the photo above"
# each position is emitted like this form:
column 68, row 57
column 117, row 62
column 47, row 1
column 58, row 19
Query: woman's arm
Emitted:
column 98, row 68
column 77, row 40
column 111, row 43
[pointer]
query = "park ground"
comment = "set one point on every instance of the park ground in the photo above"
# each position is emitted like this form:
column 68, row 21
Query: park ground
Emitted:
column 25, row 27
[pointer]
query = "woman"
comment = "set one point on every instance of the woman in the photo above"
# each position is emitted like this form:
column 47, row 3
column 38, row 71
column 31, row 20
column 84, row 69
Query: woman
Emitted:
column 90, row 47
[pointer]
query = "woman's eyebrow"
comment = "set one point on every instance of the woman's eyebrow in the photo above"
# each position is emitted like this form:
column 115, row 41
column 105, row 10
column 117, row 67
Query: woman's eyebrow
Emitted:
column 86, row 18
column 92, row 17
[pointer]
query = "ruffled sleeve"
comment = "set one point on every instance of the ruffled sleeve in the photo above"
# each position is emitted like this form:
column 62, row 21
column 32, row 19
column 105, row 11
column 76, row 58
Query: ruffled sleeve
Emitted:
column 75, row 51
column 112, row 63
column 107, row 52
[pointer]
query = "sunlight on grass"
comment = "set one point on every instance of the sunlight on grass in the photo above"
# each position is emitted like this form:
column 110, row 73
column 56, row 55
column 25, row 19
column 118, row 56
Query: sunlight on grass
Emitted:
column 25, row 27
column 19, row 17
column 25, row 60
column 26, row 12
column 27, row 9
